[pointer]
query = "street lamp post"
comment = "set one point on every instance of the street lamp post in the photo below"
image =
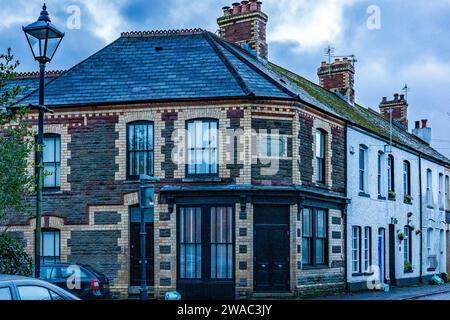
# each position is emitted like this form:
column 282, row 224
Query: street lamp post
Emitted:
column 44, row 39
column 146, row 202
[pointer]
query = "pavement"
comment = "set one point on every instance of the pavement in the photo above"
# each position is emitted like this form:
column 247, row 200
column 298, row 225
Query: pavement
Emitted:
column 420, row 292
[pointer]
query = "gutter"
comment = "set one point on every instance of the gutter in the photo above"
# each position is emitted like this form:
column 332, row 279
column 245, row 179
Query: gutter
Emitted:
column 421, row 218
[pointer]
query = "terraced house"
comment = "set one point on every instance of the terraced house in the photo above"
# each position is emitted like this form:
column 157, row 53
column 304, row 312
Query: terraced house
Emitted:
column 251, row 160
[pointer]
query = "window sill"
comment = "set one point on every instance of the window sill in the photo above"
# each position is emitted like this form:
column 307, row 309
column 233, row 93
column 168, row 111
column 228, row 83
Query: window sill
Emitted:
column 362, row 274
column 363, row 194
column 381, row 198
column 430, row 207
column 408, row 271
column 202, row 179
column 50, row 192
column 408, row 202
column 306, row 268
column 392, row 199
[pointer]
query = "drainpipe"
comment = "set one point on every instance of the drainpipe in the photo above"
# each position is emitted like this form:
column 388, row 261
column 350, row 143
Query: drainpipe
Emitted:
column 421, row 218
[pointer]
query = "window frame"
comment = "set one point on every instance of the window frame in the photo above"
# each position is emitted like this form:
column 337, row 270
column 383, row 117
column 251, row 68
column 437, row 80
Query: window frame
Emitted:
column 367, row 253
column 429, row 188
column 206, row 245
column 55, row 258
column 447, row 192
column 406, row 178
column 56, row 164
column 209, row 174
column 150, row 151
column 407, row 245
column 356, row 250
column 380, row 173
column 312, row 263
column 362, row 171
column 391, row 173
column 441, row 191
column 321, row 172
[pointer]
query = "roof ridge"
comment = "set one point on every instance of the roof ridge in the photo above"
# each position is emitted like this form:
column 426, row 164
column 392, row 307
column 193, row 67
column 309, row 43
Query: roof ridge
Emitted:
column 35, row 74
column 234, row 72
column 258, row 70
column 159, row 33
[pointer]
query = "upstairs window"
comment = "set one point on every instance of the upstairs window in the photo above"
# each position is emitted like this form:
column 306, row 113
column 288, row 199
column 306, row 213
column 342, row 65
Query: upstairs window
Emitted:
column 406, row 178
column 380, row 174
column 320, row 156
column 202, row 141
column 52, row 161
column 270, row 146
column 441, row 191
column 362, row 168
column 447, row 192
column 391, row 173
column 140, row 149
column 429, row 195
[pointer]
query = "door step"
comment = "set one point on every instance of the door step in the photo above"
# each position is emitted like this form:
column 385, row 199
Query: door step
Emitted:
column 272, row 295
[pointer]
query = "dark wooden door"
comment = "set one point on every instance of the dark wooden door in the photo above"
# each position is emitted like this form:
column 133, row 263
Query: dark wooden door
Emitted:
column 135, row 254
column 272, row 249
column 392, row 254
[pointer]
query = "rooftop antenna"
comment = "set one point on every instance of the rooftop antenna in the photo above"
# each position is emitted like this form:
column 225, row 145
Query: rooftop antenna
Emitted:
column 406, row 89
column 329, row 51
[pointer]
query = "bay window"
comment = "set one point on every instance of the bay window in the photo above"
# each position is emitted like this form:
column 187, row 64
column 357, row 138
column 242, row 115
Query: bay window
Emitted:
column 202, row 142
column 206, row 243
column 320, row 156
column 314, row 237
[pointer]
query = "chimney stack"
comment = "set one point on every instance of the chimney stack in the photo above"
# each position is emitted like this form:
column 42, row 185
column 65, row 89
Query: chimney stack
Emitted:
column 422, row 131
column 399, row 107
column 338, row 77
column 245, row 24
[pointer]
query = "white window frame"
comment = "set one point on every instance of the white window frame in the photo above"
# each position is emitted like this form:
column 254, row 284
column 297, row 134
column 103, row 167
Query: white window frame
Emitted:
column 441, row 191
column 362, row 173
column 356, row 249
column 429, row 181
column 367, row 248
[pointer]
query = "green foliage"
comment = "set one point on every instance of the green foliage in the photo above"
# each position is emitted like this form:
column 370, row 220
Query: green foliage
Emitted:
column 16, row 143
column 13, row 258
column 408, row 267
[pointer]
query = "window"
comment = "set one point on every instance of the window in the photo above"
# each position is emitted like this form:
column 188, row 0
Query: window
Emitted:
column 5, row 294
column 429, row 194
column 206, row 244
column 406, row 178
column 221, row 243
column 356, row 249
column 391, row 174
column 52, row 161
column 441, row 191
column 50, row 246
column 367, row 249
column 202, row 147
column 272, row 146
column 407, row 245
column 33, row 293
column 447, row 192
column 362, row 168
column 314, row 237
column 320, row 156
column 191, row 243
column 140, row 149
column 429, row 241
column 379, row 174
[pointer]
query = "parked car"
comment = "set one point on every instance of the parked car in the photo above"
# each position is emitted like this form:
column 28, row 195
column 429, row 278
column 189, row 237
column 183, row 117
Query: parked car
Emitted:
column 23, row 288
column 91, row 284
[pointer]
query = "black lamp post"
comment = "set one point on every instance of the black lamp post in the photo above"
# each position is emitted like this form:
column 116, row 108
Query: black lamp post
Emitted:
column 44, row 40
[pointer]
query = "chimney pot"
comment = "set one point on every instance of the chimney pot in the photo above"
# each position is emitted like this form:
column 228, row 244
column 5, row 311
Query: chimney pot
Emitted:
column 236, row 8
column 396, row 96
column 226, row 10
column 424, row 123
column 402, row 97
column 245, row 6
column 336, row 60
column 384, row 99
column 253, row 5
column 417, row 124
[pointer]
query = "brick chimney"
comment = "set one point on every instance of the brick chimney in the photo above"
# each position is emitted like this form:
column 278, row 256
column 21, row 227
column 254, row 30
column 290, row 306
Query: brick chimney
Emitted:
column 338, row 77
column 399, row 107
column 245, row 24
column 422, row 131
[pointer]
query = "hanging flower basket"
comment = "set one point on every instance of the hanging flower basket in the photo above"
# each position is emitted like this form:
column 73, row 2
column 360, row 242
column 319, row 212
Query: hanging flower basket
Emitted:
column 401, row 236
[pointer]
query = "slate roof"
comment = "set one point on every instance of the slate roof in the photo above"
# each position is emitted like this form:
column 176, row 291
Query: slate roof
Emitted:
column 198, row 65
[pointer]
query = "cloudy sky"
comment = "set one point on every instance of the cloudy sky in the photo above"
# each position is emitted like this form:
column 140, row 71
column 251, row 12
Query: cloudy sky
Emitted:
column 395, row 41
